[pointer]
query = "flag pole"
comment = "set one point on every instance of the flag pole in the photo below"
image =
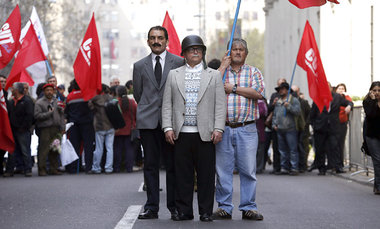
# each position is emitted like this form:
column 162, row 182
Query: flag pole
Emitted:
column 232, row 35
column 291, row 83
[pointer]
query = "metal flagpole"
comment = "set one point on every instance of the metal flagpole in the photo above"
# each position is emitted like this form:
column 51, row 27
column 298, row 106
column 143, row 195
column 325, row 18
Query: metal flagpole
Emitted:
column 232, row 35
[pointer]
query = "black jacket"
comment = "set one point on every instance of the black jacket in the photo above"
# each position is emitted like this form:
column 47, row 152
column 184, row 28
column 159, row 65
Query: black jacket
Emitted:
column 21, row 115
column 328, row 121
column 372, row 112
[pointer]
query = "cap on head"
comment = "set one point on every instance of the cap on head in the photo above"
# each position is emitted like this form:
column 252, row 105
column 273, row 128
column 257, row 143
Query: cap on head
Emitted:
column 282, row 85
column 48, row 85
column 192, row 40
column 61, row 86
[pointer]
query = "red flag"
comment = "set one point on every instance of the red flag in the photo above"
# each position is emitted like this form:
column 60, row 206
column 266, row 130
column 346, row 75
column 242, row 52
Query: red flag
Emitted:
column 308, row 58
column 87, row 65
column 309, row 3
column 30, row 53
column 174, row 46
column 26, row 78
column 7, row 142
column 10, row 37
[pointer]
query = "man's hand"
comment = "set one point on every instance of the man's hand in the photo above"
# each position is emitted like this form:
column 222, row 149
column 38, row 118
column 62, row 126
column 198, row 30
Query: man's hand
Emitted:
column 226, row 61
column 216, row 136
column 347, row 110
column 286, row 104
column 169, row 136
column 275, row 128
column 228, row 88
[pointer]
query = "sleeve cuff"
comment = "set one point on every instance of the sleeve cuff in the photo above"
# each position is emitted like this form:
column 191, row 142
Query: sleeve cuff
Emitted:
column 219, row 130
column 166, row 129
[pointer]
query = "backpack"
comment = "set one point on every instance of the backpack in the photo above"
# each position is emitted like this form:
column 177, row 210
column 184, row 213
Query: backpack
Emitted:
column 114, row 114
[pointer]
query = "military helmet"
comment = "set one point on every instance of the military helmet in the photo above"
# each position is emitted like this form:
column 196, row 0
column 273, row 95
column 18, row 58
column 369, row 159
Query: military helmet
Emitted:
column 192, row 40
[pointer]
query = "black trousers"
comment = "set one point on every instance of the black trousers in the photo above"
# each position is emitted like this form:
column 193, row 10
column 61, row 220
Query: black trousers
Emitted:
column 79, row 133
column 326, row 144
column 342, row 140
column 154, row 144
column 193, row 153
column 276, row 152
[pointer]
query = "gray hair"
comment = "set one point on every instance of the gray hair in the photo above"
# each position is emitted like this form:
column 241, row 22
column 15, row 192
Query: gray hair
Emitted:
column 241, row 41
column 19, row 87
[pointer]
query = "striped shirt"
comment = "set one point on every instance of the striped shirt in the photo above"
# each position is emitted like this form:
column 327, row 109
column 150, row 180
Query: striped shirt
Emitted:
column 239, row 108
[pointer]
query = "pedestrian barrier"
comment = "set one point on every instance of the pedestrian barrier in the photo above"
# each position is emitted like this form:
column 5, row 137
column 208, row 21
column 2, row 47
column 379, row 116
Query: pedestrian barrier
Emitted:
column 357, row 159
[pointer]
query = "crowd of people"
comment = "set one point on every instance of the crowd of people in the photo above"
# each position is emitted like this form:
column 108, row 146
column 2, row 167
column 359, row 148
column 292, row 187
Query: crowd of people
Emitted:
column 199, row 121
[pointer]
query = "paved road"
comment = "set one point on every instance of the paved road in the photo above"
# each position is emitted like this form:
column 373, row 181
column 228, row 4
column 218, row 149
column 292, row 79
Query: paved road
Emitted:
column 100, row 201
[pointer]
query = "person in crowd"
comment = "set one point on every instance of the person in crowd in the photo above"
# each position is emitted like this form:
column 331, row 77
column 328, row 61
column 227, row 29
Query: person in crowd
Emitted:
column 3, row 82
column 61, row 89
column 129, row 86
column 214, row 64
column 261, row 155
column 114, row 81
column 273, row 133
column 53, row 80
column 113, row 91
column 303, row 132
column 286, row 109
column 244, row 85
column 193, row 120
column 39, row 91
column 104, row 132
column 344, row 112
column 78, row 112
column 21, row 116
column 122, row 143
column 371, row 105
column 149, row 78
column 326, row 133
column 51, row 123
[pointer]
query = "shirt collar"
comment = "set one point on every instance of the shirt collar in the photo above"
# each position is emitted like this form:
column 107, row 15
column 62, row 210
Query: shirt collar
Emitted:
column 241, row 67
column 197, row 68
column 162, row 56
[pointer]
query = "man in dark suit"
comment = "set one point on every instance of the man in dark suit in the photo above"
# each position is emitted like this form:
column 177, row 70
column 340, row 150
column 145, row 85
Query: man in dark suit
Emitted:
column 149, row 77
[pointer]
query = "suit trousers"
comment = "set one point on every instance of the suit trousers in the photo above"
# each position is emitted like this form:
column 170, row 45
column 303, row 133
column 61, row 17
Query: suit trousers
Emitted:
column 46, row 137
column 326, row 144
column 154, row 144
column 193, row 153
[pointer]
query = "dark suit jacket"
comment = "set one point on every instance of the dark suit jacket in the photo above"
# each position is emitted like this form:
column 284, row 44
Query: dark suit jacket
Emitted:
column 328, row 121
column 148, row 94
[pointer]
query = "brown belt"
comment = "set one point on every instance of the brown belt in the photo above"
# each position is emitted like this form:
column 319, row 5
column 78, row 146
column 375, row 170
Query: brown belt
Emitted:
column 238, row 124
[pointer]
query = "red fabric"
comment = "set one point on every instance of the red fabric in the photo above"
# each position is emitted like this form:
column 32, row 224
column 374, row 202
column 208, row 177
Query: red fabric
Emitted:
column 87, row 65
column 26, row 78
column 129, row 123
column 10, row 37
column 343, row 117
column 30, row 53
column 309, row 3
column 112, row 50
column 174, row 46
column 309, row 59
column 7, row 142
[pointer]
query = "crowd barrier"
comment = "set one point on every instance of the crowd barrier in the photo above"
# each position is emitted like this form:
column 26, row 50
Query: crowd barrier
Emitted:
column 354, row 156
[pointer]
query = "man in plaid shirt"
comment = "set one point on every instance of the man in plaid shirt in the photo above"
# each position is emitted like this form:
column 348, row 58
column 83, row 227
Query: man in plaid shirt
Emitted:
column 244, row 85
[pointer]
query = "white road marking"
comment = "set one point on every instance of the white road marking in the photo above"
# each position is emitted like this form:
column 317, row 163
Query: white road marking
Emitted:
column 129, row 217
column 141, row 187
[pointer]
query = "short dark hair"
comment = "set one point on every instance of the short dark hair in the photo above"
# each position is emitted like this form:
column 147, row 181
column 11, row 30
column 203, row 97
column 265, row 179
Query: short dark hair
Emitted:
column 343, row 85
column 214, row 64
column 157, row 27
column 19, row 87
column 128, row 84
column 3, row 76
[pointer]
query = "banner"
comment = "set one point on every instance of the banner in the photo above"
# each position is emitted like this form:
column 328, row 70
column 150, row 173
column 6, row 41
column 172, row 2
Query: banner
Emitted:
column 7, row 142
column 87, row 65
column 9, row 37
column 309, row 59
column 174, row 46
column 310, row 3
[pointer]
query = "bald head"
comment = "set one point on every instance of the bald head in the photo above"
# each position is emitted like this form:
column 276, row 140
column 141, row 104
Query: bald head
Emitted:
column 280, row 81
column 296, row 89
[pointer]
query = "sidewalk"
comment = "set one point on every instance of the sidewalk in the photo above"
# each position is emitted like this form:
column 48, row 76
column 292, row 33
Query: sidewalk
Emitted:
column 358, row 175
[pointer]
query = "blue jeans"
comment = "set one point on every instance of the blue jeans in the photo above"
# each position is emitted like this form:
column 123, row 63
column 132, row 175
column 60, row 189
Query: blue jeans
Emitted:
column 288, row 147
column 22, row 152
column 101, row 137
column 240, row 145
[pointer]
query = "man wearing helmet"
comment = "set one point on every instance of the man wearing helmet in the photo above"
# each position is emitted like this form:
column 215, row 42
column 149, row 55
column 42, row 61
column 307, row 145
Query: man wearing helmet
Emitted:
column 149, row 77
column 193, row 119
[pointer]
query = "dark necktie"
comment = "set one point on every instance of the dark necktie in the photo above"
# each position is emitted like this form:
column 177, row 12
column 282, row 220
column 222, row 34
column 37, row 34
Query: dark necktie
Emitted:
column 158, row 70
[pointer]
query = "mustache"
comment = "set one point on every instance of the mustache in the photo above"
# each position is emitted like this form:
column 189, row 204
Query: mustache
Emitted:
column 156, row 45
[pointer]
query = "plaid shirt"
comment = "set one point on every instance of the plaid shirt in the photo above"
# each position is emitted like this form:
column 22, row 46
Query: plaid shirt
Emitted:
column 239, row 108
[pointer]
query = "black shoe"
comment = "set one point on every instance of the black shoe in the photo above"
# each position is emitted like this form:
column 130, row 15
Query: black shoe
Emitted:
column 376, row 191
column 181, row 217
column 8, row 174
column 205, row 218
column 340, row 170
column 221, row 214
column 322, row 173
column 28, row 173
column 293, row 172
column 174, row 214
column 312, row 167
column 251, row 215
column 148, row 214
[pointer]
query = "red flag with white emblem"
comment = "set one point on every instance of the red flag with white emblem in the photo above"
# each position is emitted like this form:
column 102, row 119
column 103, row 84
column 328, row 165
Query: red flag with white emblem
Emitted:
column 87, row 65
column 7, row 142
column 174, row 46
column 9, row 37
column 30, row 53
column 309, row 59
column 310, row 3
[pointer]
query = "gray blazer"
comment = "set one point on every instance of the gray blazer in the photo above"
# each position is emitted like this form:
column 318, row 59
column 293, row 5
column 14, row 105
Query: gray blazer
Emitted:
column 211, row 108
column 148, row 94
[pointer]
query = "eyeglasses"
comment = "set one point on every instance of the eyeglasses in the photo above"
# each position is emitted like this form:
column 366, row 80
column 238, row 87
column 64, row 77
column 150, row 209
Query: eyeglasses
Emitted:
column 193, row 49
